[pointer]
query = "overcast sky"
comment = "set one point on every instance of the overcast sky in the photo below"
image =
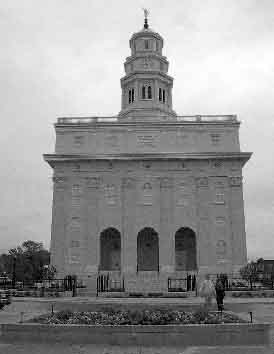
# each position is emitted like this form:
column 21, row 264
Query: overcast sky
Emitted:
column 65, row 57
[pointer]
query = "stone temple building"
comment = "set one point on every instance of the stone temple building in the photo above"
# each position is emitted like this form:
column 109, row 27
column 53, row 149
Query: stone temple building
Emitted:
column 147, row 195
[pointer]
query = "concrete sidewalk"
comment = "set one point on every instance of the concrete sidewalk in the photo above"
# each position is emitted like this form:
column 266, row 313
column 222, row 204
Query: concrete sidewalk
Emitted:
column 29, row 348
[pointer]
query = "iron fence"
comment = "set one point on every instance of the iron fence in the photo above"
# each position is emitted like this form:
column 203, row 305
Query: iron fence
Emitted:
column 40, row 288
column 107, row 284
column 182, row 284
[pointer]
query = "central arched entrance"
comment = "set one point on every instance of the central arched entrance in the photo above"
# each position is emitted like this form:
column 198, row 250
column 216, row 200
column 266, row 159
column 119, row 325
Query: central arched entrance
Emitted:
column 185, row 250
column 110, row 249
column 147, row 250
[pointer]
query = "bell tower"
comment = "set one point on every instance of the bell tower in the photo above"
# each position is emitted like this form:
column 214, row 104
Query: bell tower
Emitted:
column 146, row 87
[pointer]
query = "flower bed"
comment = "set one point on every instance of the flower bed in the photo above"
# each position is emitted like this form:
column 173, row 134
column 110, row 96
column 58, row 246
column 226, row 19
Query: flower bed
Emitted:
column 145, row 317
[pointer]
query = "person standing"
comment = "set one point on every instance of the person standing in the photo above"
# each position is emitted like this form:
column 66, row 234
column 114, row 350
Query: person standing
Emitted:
column 220, row 293
column 207, row 291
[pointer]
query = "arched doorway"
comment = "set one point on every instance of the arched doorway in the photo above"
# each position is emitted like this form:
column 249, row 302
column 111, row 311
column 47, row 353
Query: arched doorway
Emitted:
column 110, row 249
column 147, row 250
column 185, row 249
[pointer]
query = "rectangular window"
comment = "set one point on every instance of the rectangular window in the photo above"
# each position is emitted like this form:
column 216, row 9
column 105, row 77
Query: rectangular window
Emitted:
column 75, row 243
column 215, row 139
column 78, row 141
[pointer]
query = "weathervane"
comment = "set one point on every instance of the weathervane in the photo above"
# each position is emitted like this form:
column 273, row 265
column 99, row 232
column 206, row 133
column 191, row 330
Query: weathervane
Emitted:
column 146, row 13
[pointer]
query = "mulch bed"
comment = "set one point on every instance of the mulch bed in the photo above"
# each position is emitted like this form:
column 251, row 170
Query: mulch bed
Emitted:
column 145, row 317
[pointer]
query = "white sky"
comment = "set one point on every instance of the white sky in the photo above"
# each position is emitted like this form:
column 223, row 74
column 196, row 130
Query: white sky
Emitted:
column 65, row 57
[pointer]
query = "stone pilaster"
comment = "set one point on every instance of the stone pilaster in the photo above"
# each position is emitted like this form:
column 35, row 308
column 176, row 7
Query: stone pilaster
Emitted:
column 129, row 238
column 166, row 241
column 93, row 246
column 58, row 231
column 204, row 259
column 237, row 221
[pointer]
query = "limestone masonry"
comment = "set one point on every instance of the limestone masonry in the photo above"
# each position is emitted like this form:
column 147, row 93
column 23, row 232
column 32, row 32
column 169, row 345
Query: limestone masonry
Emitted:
column 147, row 195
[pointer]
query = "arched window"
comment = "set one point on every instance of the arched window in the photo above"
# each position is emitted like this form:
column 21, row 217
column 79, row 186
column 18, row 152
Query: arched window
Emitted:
column 146, row 44
column 164, row 96
column 149, row 93
column 110, row 249
column 143, row 92
column 147, row 250
column 185, row 250
column 129, row 96
column 160, row 94
column 132, row 95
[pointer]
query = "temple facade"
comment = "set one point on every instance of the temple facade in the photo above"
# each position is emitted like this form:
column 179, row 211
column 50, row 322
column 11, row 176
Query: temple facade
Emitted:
column 147, row 195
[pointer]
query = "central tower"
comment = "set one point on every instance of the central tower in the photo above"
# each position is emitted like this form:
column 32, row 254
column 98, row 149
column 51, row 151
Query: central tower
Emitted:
column 146, row 87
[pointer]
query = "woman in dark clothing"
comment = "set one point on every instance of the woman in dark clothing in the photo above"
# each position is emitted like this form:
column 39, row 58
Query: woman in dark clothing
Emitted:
column 220, row 294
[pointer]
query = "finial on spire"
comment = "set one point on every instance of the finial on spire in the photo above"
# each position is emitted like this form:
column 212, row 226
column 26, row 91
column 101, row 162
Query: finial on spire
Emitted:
column 146, row 13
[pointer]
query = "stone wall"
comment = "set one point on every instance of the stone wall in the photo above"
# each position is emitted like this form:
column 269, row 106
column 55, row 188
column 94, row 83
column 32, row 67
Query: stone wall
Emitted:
column 129, row 195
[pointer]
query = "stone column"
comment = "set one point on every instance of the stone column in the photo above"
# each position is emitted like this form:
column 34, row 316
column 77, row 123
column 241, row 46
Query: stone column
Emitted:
column 58, row 231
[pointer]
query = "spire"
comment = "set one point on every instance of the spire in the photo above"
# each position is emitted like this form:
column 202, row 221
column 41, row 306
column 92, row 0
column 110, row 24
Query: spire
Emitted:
column 146, row 13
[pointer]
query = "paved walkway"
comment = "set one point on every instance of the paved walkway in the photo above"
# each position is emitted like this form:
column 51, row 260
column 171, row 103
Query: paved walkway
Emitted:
column 27, row 348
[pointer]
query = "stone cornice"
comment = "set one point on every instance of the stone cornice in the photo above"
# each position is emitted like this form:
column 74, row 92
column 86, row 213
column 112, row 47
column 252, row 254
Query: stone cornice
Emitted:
column 170, row 122
column 146, row 55
column 146, row 74
column 55, row 158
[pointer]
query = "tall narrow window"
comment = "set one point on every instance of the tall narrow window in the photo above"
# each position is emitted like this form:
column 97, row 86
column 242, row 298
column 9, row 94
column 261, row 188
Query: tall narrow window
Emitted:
column 146, row 44
column 132, row 95
column 149, row 93
column 164, row 96
column 143, row 92
column 129, row 96
column 160, row 94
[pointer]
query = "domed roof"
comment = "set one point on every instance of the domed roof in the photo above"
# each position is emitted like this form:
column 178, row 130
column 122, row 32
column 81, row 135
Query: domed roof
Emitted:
column 146, row 31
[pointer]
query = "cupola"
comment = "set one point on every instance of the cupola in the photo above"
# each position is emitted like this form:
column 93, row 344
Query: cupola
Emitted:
column 146, row 87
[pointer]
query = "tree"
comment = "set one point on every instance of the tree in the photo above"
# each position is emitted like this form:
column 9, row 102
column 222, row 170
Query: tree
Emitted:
column 25, row 262
column 49, row 272
column 250, row 272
